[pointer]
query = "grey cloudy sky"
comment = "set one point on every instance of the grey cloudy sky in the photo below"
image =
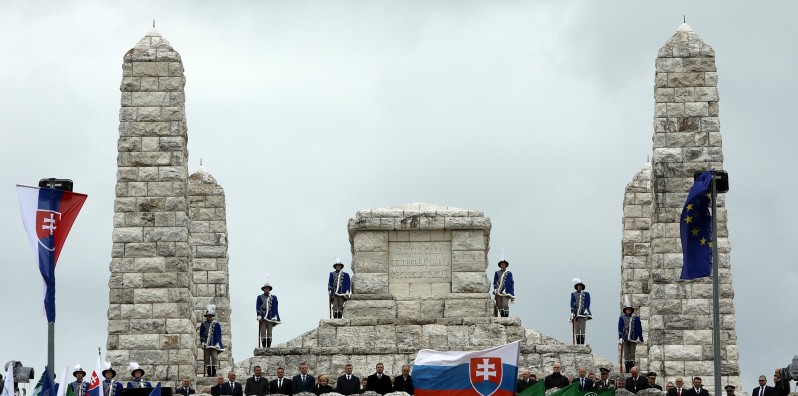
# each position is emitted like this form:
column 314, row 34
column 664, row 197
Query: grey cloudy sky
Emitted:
column 537, row 113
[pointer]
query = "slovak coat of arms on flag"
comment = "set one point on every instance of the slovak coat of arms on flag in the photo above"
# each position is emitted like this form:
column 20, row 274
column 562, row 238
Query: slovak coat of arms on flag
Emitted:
column 486, row 374
column 489, row 372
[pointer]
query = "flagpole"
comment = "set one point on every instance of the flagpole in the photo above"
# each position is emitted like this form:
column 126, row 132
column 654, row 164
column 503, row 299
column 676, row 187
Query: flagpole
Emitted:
column 50, row 344
column 715, row 286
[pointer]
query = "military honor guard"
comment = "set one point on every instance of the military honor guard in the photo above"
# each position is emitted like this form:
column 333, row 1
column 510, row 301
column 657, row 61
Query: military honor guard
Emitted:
column 604, row 381
column 138, row 380
column 339, row 289
column 268, row 315
column 210, row 337
column 110, row 386
column 630, row 332
column 503, row 288
column 580, row 311
column 79, row 386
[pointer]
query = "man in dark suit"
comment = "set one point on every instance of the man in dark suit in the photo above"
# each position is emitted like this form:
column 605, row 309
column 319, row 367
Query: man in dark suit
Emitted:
column 697, row 389
column 231, row 387
column 763, row 389
column 281, row 384
column 379, row 382
column 404, row 382
column 555, row 379
column 523, row 383
column 348, row 384
column 678, row 388
column 185, row 388
column 303, row 382
column 584, row 382
column 652, row 380
column 257, row 385
column 216, row 390
column 636, row 383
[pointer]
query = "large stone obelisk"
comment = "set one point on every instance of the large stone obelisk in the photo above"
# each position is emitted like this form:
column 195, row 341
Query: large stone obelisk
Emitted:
column 677, row 315
column 151, row 318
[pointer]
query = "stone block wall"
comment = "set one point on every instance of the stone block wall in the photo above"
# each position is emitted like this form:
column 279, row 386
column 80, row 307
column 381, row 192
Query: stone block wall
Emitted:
column 364, row 342
column 419, row 260
column 636, row 250
column 154, row 297
column 151, row 258
column 208, row 239
column 686, row 139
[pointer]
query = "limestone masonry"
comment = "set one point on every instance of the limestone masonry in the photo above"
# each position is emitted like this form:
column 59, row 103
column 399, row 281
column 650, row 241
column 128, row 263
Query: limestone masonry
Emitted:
column 443, row 251
column 419, row 270
column 677, row 315
column 169, row 255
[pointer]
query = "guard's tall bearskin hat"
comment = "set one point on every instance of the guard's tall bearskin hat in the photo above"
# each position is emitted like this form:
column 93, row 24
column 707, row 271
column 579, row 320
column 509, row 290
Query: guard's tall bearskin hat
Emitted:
column 107, row 368
column 338, row 262
column 578, row 282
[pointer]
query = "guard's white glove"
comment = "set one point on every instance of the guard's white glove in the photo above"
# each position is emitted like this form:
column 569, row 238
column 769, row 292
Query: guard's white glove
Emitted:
column 620, row 341
column 512, row 300
column 203, row 345
column 259, row 318
column 571, row 318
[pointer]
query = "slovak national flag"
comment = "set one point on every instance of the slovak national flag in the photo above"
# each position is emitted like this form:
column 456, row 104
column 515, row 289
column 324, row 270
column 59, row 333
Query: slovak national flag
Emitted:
column 490, row 372
column 47, row 215
column 96, row 380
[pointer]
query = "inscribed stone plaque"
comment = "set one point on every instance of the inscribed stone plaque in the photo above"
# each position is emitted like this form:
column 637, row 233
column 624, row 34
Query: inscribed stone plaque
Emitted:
column 420, row 268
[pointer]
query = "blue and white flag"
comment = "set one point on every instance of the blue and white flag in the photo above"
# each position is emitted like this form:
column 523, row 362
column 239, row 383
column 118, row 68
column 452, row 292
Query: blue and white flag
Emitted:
column 48, row 387
column 474, row 373
column 48, row 215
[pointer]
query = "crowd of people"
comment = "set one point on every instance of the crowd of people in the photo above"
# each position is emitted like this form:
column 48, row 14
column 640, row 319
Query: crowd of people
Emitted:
column 346, row 384
column 636, row 382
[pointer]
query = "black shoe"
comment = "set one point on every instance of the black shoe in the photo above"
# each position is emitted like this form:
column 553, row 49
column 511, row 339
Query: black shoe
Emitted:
column 269, row 342
column 263, row 343
column 213, row 371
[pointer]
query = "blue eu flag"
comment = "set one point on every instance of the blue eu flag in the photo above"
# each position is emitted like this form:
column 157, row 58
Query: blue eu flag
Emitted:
column 695, row 227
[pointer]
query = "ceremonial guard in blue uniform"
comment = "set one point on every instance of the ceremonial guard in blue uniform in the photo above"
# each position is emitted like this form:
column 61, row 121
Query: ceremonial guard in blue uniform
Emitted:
column 580, row 311
column 210, row 337
column 79, row 386
column 110, row 386
column 503, row 288
column 268, row 316
column 339, row 289
column 630, row 332
column 138, row 380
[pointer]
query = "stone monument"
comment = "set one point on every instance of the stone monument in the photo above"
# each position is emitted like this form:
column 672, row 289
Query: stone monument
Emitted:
column 169, row 255
column 418, row 282
column 677, row 315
